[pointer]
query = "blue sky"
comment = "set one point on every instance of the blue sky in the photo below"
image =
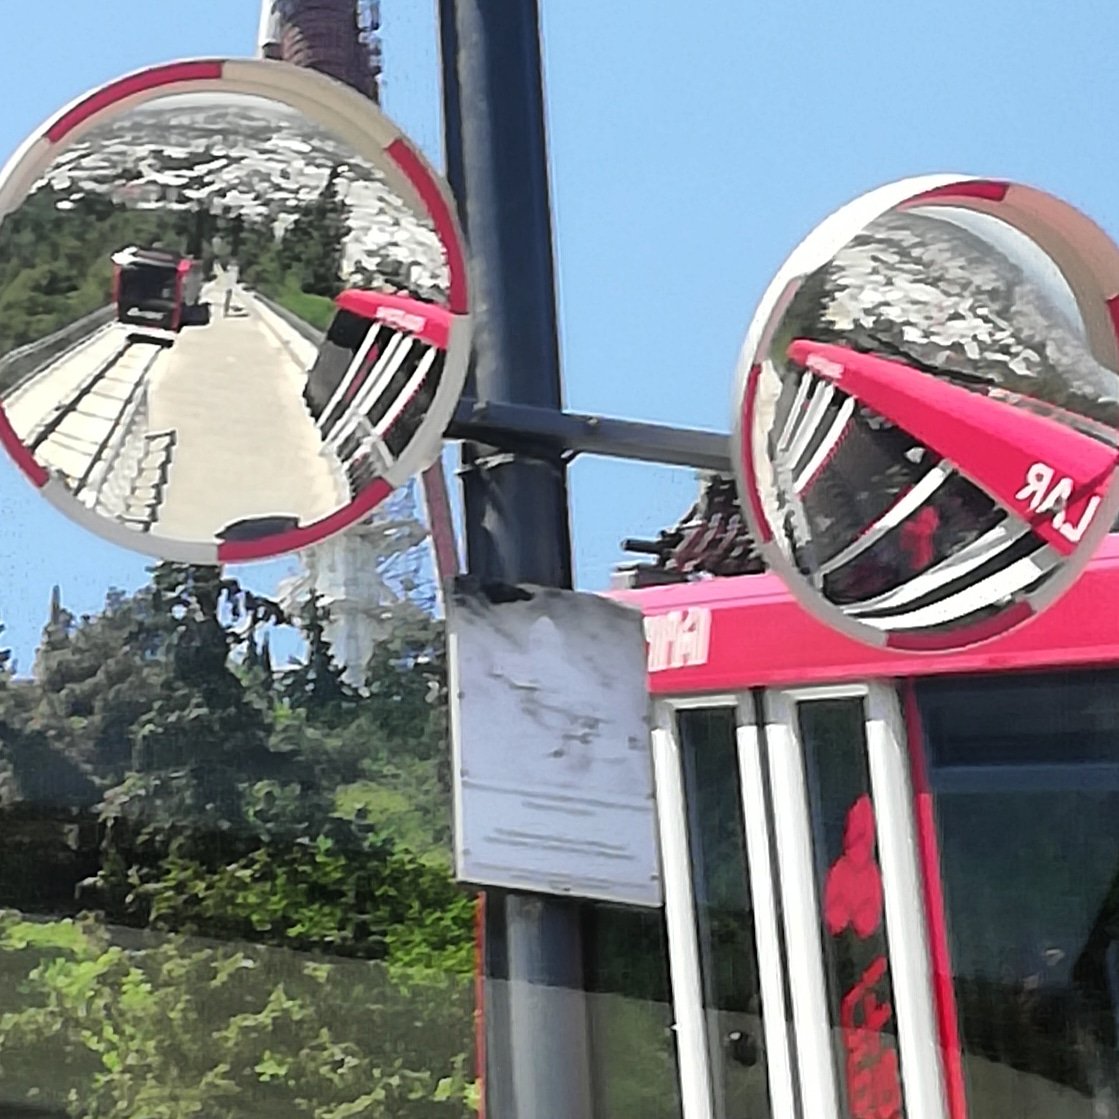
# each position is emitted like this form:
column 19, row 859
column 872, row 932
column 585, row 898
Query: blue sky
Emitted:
column 692, row 146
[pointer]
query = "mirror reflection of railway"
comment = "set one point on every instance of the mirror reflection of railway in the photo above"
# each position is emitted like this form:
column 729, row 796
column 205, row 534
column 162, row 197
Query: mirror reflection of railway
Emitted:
column 185, row 414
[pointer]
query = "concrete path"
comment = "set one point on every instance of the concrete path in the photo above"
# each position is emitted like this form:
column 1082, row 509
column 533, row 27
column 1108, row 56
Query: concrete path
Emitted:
column 245, row 444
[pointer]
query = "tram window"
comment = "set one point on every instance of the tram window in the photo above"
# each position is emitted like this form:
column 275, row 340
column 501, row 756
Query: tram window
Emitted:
column 849, row 884
column 1035, row 718
column 1025, row 774
column 633, row 1045
column 724, row 913
column 342, row 342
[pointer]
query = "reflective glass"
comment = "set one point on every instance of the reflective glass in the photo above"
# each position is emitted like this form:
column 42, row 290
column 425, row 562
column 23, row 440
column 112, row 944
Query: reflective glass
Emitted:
column 633, row 1044
column 852, row 901
column 1025, row 775
column 724, row 913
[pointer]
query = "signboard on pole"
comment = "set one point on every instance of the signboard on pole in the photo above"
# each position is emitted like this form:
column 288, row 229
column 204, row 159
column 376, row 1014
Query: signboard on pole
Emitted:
column 550, row 726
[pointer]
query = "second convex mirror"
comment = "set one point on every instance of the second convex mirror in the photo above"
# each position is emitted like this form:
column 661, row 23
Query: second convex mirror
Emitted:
column 233, row 309
column 929, row 411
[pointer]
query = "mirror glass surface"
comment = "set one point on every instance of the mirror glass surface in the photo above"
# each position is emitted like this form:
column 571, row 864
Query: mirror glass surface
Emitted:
column 930, row 422
column 219, row 322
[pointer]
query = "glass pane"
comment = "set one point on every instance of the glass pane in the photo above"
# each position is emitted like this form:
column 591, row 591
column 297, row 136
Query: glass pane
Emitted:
column 1031, row 881
column 633, row 1045
column 724, row 913
column 849, row 882
column 1032, row 719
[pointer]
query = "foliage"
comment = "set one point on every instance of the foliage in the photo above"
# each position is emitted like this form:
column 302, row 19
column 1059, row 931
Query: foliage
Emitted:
column 316, row 310
column 301, row 266
column 55, row 255
column 54, row 258
column 250, row 905
column 312, row 247
column 174, row 1028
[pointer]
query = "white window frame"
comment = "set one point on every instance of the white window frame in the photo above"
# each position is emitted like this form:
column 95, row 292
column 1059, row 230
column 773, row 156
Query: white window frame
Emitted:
column 759, row 848
column 906, row 927
column 679, row 909
column 697, row 1089
column 785, row 899
column 800, row 908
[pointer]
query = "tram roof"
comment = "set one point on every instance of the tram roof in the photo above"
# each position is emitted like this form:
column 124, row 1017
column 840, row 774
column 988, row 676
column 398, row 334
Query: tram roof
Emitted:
column 723, row 634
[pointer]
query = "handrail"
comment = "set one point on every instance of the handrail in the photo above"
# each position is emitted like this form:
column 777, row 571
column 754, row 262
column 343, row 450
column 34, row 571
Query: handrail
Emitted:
column 25, row 360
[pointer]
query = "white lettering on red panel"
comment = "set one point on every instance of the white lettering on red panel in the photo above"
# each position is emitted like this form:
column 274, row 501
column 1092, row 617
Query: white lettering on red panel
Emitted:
column 1044, row 497
column 832, row 370
column 405, row 320
column 678, row 639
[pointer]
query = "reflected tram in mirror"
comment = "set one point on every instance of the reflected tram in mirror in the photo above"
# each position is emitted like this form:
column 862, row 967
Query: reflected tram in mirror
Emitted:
column 930, row 419
column 234, row 310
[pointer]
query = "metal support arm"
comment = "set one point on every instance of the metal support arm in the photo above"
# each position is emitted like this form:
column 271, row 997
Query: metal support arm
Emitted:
column 523, row 428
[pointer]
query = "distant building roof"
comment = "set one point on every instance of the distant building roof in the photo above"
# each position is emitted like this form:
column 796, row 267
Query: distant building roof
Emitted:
column 710, row 539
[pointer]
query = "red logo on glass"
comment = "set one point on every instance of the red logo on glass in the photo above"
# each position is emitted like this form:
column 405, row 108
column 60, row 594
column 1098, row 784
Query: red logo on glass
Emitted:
column 853, row 900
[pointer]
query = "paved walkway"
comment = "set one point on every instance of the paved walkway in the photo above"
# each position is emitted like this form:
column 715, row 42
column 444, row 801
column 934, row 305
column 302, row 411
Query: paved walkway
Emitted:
column 246, row 445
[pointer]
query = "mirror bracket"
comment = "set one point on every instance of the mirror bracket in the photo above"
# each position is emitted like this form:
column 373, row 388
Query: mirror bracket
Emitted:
column 513, row 426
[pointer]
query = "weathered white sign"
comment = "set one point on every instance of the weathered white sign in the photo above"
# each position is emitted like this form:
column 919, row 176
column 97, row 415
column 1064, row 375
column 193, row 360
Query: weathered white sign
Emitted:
column 550, row 724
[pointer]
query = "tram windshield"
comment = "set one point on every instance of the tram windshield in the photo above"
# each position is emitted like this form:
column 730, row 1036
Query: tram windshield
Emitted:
column 1024, row 771
column 145, row 286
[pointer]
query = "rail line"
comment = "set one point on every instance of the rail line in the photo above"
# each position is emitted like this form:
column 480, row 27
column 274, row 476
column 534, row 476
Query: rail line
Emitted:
column 23, row 366
column 79, row 435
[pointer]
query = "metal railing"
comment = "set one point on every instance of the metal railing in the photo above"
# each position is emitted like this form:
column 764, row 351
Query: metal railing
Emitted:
column 19, row 366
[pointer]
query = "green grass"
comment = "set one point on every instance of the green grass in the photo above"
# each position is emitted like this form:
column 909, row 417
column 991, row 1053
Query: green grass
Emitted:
column 317, row 310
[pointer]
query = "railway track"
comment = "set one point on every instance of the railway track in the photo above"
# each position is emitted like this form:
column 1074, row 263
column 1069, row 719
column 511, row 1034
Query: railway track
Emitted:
column 82, row 436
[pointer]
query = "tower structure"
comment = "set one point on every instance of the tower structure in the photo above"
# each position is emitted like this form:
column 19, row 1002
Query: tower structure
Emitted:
column 337, row 37
column 369, row 579
column 366, row 577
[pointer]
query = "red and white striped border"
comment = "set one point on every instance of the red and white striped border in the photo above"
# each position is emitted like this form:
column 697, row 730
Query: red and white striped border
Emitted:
column 358, row 122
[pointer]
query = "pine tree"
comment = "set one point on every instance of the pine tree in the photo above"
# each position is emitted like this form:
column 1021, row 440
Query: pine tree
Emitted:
column 313, row 248
column 316, row 682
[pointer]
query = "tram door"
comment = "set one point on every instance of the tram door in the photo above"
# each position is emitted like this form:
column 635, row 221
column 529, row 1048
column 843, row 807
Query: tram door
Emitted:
column 800, row 966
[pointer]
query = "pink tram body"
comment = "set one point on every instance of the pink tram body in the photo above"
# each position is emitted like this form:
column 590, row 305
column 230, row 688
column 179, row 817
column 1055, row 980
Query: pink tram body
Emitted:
column 896, row 874
column 155, row 288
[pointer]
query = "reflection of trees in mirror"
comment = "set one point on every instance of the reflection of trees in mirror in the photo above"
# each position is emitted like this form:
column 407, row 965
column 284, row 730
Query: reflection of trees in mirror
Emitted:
column 249, row 183
column 932, row 294
column 161, row 782
column 54, row 264
column 253, row 157
column 303, row 266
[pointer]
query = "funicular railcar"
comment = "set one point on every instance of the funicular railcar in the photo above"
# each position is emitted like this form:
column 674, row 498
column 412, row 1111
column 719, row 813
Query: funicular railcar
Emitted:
column 376, row 373
column 155, row 288
column 895, row 878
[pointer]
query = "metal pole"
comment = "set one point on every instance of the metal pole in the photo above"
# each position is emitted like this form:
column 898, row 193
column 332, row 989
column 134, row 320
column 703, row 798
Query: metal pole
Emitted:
column 264, row 35
column 538, row 1056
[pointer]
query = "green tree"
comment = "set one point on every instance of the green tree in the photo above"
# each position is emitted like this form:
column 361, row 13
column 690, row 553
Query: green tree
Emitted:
column 298, row 827
column 313, row 247
column 316, row 682
column 179, row 1028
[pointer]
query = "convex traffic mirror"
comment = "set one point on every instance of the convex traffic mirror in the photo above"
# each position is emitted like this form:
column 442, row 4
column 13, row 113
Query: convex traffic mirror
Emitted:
column 233, row 309
column 929, row 411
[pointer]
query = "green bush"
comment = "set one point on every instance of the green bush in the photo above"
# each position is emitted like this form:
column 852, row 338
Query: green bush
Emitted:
column 114, row 1026
column 317, row 310
column 267, row 923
